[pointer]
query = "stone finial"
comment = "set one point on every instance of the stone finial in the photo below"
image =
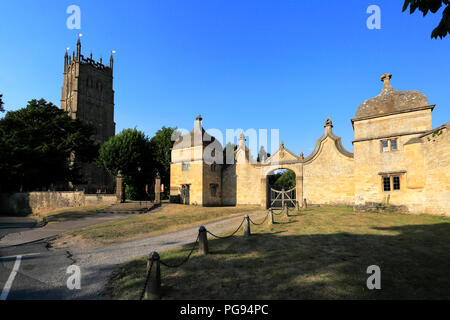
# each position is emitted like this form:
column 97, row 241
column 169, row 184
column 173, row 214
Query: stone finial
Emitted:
column 282, row 144
column 386, row 79
column 301, row 155
column 198, row 122
column 328, row 125
column 242, row 137
column 78, row 48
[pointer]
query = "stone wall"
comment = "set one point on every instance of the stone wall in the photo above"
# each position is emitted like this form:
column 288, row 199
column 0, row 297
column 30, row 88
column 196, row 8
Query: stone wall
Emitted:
column 33, row 202
column 437, row 168
column 371, row 164
column 328, row 178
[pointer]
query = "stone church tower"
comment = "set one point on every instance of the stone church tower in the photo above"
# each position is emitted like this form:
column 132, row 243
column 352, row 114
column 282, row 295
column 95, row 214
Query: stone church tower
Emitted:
column 88, row 94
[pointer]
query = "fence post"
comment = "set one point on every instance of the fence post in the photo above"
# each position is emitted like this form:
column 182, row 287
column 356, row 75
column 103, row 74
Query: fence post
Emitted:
column 305, row 205
column 247, row 232
column 203, row 241
column 270, row 218
column 286, row 211
column 153, row 290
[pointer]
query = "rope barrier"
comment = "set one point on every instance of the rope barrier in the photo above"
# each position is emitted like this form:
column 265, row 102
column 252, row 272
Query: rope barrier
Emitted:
column 230, row 234
column 185, row 260
column 258, row 224
column 277, row 214
column 146, row 281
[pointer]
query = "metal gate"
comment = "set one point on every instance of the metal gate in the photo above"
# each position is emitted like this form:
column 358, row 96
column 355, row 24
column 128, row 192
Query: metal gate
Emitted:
column 282, row 198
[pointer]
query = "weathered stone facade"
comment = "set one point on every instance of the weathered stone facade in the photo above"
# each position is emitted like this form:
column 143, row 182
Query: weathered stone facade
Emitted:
column 25, row 203
column 399, row 163
column 88, row 94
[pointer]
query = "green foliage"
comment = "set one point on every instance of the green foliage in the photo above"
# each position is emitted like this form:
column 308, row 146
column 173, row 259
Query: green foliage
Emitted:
column 282, row 180
column 162, row 144
column 36, row 143
column 1, row 103
column 131, row 153
column 432, row 5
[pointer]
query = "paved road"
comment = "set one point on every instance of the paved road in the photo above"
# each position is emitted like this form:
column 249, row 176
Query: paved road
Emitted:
column 24, row 231
column 40, row 272
column 15, row 224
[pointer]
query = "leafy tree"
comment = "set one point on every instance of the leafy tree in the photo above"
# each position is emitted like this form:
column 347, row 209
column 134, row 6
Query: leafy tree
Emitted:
column 1, row 103
column 432, row 5
column 131, row 153
column 282, row 180
column 162, row 144
column 36, row 144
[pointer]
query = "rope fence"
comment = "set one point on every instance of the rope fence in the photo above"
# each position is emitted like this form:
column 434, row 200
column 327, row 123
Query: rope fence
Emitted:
column 152, row 285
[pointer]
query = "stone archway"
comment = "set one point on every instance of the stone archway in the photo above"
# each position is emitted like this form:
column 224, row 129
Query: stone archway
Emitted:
column 266, row 170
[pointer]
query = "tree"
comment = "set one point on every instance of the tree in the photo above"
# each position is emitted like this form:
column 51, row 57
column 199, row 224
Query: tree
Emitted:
column 36, row 144
column 162, row 144
column 1, row 103
column 131, row 153
column 282, row 180
column 432, row 5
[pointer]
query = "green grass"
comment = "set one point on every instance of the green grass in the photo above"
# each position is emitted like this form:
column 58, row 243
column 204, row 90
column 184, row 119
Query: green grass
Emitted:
column 322, row 253
column 170, row 217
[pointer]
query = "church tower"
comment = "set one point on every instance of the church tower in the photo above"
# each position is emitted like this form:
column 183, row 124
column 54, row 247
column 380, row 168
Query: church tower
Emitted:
column 87, row 94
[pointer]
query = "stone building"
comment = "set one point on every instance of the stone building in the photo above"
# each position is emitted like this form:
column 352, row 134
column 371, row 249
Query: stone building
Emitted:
column 87, row 94
column 398, row 162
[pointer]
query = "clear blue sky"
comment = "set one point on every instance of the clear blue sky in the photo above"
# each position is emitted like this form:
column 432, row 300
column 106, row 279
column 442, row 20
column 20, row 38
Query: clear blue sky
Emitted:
column 285, row 64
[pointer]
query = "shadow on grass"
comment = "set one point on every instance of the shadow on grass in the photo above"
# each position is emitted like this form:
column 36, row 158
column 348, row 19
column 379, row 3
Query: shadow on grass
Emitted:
column 414, row 262
column 70, row 215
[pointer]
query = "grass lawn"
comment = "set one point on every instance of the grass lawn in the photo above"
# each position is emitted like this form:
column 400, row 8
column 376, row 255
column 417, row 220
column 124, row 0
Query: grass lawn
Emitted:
column 170, row 217
column 67, row 214
column 321, row 253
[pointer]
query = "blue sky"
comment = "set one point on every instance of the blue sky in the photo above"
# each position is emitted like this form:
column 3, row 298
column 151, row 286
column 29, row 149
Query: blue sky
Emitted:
column 278, row 64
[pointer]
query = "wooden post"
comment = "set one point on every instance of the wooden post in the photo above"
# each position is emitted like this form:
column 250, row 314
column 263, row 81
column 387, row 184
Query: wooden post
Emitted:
column 305, row 205
column 247, row 232
column 286, row 211
column 153, row 290
column 157, row 189
column 282, row 198
column 270, row 217
column 120, row 192
column 203, row 241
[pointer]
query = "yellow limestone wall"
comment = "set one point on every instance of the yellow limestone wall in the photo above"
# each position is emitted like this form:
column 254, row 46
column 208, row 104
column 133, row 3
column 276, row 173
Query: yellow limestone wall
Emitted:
column 370, row 160
column 193, row 176
column 332, row 176
column 437, row 165
column 328, row 178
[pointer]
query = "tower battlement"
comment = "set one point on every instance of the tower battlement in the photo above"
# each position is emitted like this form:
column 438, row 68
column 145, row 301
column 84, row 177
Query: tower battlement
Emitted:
column 87, row 94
